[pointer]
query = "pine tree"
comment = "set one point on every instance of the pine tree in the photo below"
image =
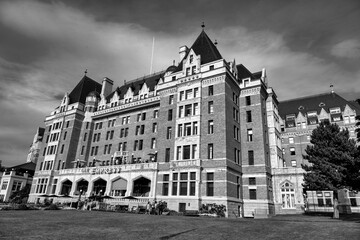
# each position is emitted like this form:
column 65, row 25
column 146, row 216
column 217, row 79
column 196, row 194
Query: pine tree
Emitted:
column 333, row 158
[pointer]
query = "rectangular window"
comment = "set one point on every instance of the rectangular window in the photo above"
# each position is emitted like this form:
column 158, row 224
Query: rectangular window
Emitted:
column 188, row 94
column 109, row 149
column 122, row 131
column 105, row 149
column 65, row 135
column 248, row 116
column 293, row 163
column 140, row 144
column 196, row 92
column 249, row 135
column 187, row 129
column 211, row 90
column 186, row 152
column 291, row 140
column 142, row 129
column 85, row 135
column 98, row 136
column 171, row 99
column 210, row 184
column 252, row 181
column 251, row 157
column 194, row 150
column 137, row 130
column 165, row 189
column 193, row 69
column 178, row 153
column 124, row 146
column 188, row 110
column 210, row 151
column 170, row 115
column 211, row 127
column 138, row 117
column 248, row 100
column 67, row 124
column 174, row 188
column 167, row 155
column 292, row 151
column 82, row 150
column 136, row 144
column 196, row 109
column 153, row 143
column 168, row 133
column 154, row 129
column 252, row 194
column 156, row 114
column 180, row 130
column 195, row 128
column 183, row 188
column 143, row 116
column 187, row 71
column 211, row 107
column 62, row 149
column 181, row 96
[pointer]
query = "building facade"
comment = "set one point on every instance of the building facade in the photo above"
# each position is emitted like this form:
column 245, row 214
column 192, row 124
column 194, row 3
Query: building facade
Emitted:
column 205, row 131
column 298, row 118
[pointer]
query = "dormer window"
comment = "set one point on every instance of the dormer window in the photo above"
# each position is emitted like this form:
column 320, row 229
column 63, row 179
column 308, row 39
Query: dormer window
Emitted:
column 312, row 118
column 335, row 110
column 301, row 108
column 322, row 104
column 290, row 117
column 211, row 67
column 191, row 58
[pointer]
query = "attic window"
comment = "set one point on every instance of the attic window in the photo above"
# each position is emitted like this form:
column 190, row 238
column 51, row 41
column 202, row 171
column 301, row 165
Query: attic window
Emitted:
column 290, row 117
column 301, row 108
column 335, row 110
column 322, row 104
column 211, row 67
column 191, row 58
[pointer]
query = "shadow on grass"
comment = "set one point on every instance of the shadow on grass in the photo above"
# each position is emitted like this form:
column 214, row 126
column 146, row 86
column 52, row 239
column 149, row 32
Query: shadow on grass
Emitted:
column 353, row 217
column 176, row 234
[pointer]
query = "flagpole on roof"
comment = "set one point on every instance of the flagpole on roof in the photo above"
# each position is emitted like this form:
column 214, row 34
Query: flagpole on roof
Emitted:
column 152, row 55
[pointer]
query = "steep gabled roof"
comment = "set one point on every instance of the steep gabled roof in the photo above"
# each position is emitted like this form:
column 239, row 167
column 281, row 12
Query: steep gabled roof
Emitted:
column 314, row 103
column 83, row 88
column 243, row 72
column 204, row 47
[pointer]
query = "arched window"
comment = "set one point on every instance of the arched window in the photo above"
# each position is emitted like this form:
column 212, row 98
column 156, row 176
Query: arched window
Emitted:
column 287, row 195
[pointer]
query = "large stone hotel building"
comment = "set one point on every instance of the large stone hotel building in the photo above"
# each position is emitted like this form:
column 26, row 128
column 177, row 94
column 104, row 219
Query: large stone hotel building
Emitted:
column 204, row 131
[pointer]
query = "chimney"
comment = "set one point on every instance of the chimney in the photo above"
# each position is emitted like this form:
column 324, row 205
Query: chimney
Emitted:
column 107, row 85
column 182, row 52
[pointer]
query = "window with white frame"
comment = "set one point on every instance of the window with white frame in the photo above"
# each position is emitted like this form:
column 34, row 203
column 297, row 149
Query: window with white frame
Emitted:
column 287, row 195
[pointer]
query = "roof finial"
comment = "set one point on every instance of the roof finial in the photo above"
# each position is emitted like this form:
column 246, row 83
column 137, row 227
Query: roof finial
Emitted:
column 85, row 72
column 216, row 42
column 332, row 88
column 203, row 25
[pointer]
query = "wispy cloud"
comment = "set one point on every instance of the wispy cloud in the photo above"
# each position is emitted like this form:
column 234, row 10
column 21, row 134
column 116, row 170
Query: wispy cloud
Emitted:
column 69, row 40
column 347, row 49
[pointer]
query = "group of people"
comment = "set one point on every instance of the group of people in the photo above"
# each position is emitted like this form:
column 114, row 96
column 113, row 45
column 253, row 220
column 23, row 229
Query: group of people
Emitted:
column 155, row 208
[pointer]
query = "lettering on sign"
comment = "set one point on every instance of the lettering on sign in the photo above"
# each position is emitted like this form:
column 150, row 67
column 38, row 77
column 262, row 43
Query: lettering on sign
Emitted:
column 251, row 91
column 211, row 81
column 108, row 170
column 127, row 105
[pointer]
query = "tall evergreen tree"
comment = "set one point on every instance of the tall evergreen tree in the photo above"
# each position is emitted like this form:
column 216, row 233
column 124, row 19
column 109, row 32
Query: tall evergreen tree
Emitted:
column 334, row 160
column 358, row 125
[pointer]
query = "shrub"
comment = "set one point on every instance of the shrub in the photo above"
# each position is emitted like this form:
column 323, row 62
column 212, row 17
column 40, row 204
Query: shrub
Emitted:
column 52, row 207
column 21, row 206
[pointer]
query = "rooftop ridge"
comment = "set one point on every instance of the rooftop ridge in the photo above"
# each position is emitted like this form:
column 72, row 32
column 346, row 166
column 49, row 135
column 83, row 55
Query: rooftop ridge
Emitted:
column 145, row 76
column 309, row 96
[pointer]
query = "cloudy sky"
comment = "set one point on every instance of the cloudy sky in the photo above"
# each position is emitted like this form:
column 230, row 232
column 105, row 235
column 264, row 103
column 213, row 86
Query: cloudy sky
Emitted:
column 45, row 46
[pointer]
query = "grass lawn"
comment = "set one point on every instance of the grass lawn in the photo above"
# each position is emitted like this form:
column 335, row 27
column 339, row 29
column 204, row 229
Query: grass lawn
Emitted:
column 72, row 224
